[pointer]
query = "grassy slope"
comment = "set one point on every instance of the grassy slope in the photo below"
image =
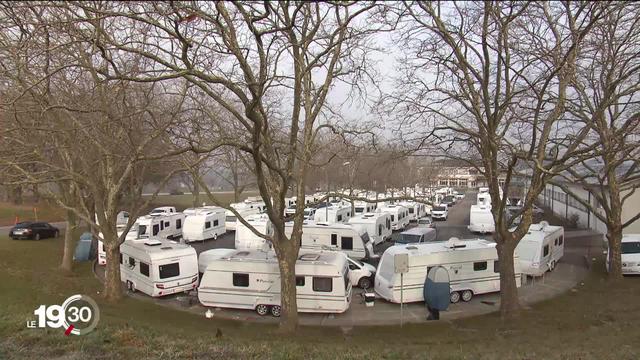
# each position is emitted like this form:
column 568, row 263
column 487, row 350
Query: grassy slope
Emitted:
column 595, row 322
column 46, row 212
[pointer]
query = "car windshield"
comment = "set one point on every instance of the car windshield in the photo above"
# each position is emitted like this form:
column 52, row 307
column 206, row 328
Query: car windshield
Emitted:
column 438, row 208
column 22, row 225
column 357, row 262
column 424, row 222
column 631, row 247
column 409, row 238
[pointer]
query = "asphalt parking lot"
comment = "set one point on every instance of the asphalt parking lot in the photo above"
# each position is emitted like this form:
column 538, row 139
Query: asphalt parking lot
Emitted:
column 572, row 268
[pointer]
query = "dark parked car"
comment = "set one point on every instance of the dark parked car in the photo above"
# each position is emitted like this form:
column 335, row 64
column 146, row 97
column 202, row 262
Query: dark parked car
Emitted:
column 33, row 230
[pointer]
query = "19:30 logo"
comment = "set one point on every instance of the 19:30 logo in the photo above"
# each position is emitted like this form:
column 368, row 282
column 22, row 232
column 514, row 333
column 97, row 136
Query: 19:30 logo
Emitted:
column 78, row 315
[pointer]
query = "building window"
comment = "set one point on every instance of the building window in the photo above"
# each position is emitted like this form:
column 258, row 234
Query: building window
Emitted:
column 241, row 280
column 334, row 239
column 480, row 266
column 179, row 224
column 169, row 270
column 207, row 224
column 144, row 269
column 322, row 284
column 545, row 251
column 347, row 243
column 299, row 280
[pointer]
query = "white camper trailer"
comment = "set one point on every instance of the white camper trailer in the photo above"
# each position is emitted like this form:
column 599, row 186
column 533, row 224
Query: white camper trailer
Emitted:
column 350, row 240
column 363, row 207
column 399, row 216
column 247, row 239
column 541, row 248
column 160, row 226
column 158, row 268
column 481, row 219
column 163, row 210
column 207, row 256
column 377, row 225
column 416, row 209
column 204, row 223
column 102, row 253
column 630, row 254
column 333, row 214
column 472, row 266
column 243, row 209
column 250, row 279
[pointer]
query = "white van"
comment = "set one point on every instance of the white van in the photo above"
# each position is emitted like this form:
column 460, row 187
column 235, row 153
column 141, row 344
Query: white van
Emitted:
column 361, row 274
column 345, row 238
column 377, row 225
column 472, row 266
column 417, row 235
column 338, row 213
column 541, row 248
column 247, row 239
column 440, row 212
column 399, row 215
column 250, row 279
column 416, row 209
column 630, row 254
column 481, row 219
column 158, row 268
column 243, row 209
column 204, row 223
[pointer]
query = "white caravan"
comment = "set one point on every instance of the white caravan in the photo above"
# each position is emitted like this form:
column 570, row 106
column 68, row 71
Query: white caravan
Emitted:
column 243, row 209
column 483, row 199
column 341, row 237
column 363, row 207
column 102, row 253
column 399, row 216
column 163, row 210
column 630, row 254
column 440, row 212
column 250, row 279
column 158, row 268
column 207, row 256
column 377, row 225
column 416, row 209
column 247, row 239
column 361, row 274
column 333, row 214
column 472, row 266
column 160, row 226
column 541, row 248
column 260, row 205
column 205, row 223
column 481, row 219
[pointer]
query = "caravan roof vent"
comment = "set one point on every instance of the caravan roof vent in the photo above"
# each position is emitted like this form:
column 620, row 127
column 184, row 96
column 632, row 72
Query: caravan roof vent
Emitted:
column 309, row 257
column 543, row 224
column 410, row 247
column 153, row 243
column 242, row 253
column 455, row 243
column 166, row 248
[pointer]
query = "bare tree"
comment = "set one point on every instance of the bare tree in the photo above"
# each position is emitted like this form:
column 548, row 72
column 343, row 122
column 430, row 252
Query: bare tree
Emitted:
column 606, row 98
column 487, row 83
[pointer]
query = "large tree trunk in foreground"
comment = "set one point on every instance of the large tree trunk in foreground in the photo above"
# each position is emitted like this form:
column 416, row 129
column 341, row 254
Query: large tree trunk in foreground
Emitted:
column 509, row 303
column 287, row 265
column 614, row 238
column 112, row 286
column 69, row 242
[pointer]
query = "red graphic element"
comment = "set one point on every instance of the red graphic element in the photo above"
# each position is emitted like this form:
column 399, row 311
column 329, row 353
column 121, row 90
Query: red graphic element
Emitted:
column 68, row 331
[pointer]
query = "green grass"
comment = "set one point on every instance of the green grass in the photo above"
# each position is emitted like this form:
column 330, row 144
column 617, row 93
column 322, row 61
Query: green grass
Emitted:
column 25, row 212
column 596, row 321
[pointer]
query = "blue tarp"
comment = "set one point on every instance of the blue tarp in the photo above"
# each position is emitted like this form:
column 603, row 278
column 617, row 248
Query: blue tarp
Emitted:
column 437, row 289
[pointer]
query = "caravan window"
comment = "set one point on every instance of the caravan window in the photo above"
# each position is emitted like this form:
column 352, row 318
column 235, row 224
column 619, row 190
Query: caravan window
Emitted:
column 480, row 266
column 322, row 284
column 207, row 224
column 410, row 210
column 299, row 280
column 561, row 240
column 120, row 258
column 388, row 224
column 156, row 229
column 631, row 248
column 339, row 217
column 179, row 224
column 496, row 266
column 334, row 239
column 144, row 268
column 142, row 230
column 380, row 230
column 132, row 262
column 393, row 218
column 359, row 210
column 169, row 270
column 545, row 250
column 241, row 280
column 167, row 224
column 347, row 243
column 161, row 225
column 215, row 223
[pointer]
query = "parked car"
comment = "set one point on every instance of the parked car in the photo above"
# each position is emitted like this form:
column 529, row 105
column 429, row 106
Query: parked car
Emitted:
column 440, row 212
column 449, row 200
column 33, row 230
column 425, row 222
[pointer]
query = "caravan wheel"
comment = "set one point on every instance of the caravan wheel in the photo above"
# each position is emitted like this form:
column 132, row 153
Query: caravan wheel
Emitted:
column 131, row 287
column 467, row 295
column 454, row 297
column 215, row 236
column 276, row 310
column 552, row 265
column 262, row 310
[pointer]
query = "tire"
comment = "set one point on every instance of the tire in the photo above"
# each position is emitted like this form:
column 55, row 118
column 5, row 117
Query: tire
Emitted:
column 37, row 237
column 552, row 265
column 454, row 297
column 215, row 236
column 364, row 283
column 262, row 310
column 276, row 310
column 131, row 287
column 467, row 295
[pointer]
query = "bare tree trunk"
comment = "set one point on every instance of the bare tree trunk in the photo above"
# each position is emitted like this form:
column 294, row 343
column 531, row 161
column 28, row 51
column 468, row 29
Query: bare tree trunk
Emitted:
column 196, row 193
column 15, row 194
column 509, row 303
column 112, row 285
column 287, row 264
column 236, row 194
column 69, row 242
